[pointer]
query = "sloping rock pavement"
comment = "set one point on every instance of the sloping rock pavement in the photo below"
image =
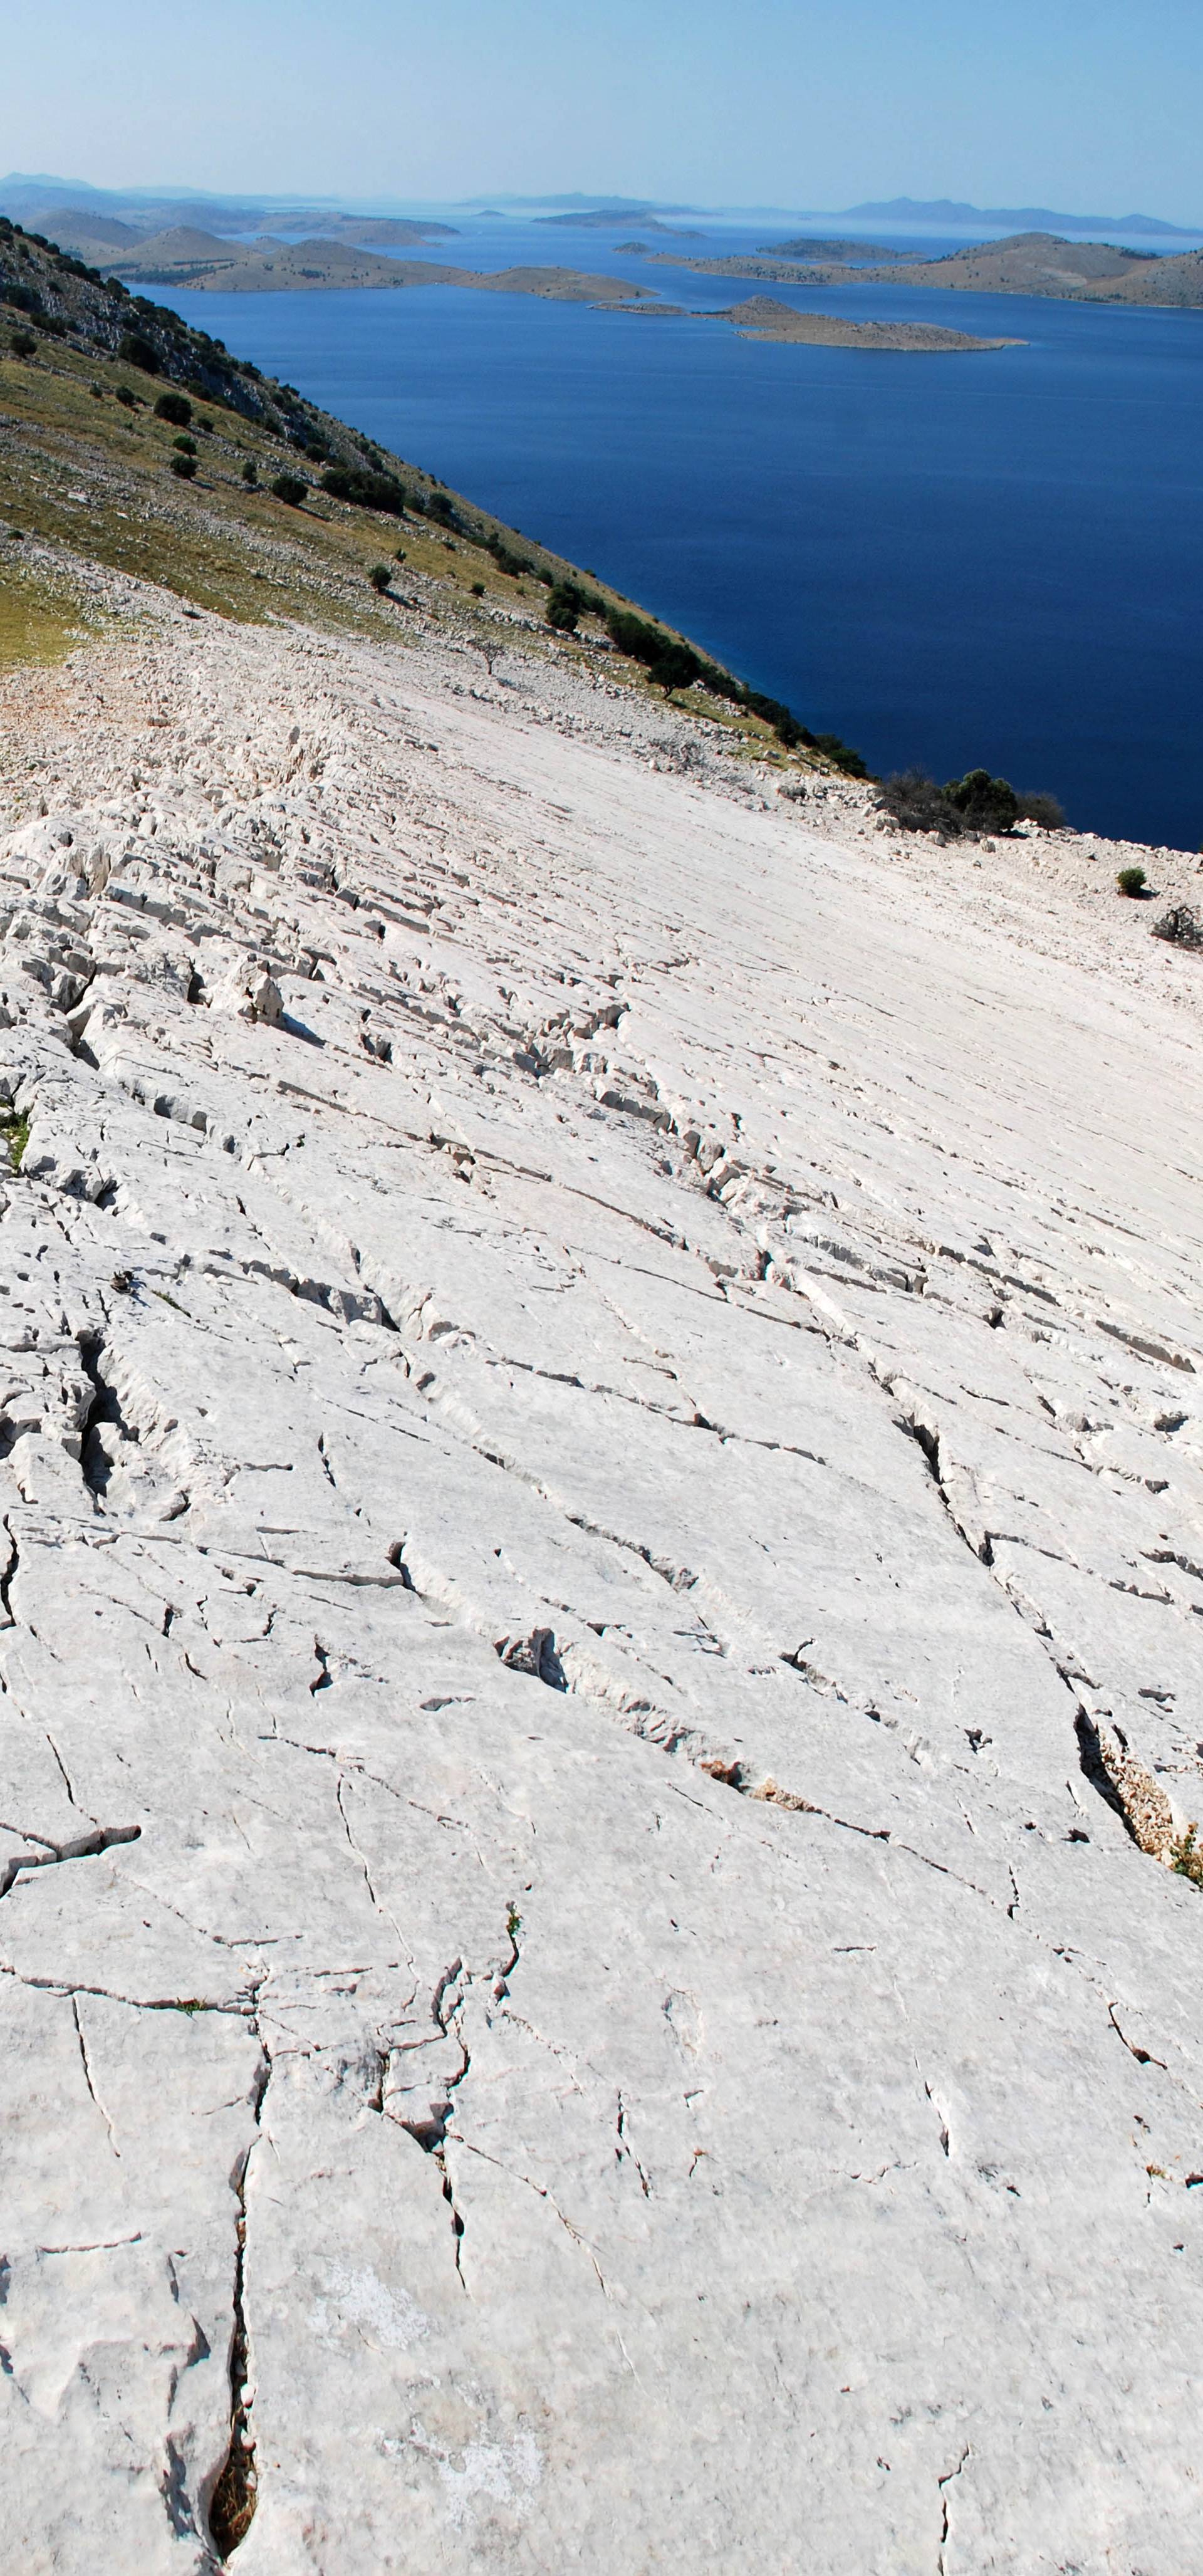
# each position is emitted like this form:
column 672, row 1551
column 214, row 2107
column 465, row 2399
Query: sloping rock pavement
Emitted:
column 603, row 1607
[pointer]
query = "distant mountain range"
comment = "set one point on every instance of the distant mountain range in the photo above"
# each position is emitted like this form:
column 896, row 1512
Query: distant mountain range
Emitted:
column 948, row 211
column 26, row 195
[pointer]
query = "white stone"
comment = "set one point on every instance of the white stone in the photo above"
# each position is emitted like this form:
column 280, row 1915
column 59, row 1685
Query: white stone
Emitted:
column 600, row 1447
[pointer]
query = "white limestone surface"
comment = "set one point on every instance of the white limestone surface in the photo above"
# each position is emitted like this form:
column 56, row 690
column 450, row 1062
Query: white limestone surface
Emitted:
column 603, row 1612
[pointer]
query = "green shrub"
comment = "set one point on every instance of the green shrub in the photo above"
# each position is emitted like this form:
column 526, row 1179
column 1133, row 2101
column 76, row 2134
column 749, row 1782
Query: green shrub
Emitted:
column 175, row 408
column 1186, row 1858
column 184, row 446
column 184, row 466
column 250, row 473
column 367, row 491
column 986, row 804
column 1044, row 810
column 125, row 394
column 915, row 804
column 135, row 350
column 205, row 426
column 563, row 608
column 478, row 590
column 399, row 557
column 289, row 487
column 1132, row 881
column 380, row 577
column 505, row 557
column 22, row 344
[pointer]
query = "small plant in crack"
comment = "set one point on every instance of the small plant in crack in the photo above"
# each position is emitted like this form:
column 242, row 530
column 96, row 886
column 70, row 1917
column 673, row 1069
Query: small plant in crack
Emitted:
column 14, row 1127
column 1186, row 1858
column 513, row 1922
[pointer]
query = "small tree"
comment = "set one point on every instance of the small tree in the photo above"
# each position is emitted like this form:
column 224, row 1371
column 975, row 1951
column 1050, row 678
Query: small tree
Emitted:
column 184, row 446
column 563, row 609
column 1044, row 810
column 125, row 395
column 380, row 578
column 175, row 408
column 987, row 804
column 289, row 487
column 184, row 466
column 22, row 344
column 136, row 351
column 250, row 473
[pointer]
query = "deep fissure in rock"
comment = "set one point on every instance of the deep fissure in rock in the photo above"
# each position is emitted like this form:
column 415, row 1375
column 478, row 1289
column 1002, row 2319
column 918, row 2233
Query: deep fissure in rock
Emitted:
column 236, row 2494
column 105, row 1408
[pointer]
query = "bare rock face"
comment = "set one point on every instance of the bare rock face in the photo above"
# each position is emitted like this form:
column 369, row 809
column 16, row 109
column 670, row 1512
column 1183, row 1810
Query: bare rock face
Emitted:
column 602, row 1614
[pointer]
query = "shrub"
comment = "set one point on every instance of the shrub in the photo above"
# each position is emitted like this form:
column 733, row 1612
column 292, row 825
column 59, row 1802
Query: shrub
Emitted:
column 837, row 751
column 399, row 557
column 289, row 487
column 1186, row 1859
column 184, row 466
column 914, row 802
column 316, row 449
column 1180, row 926
column 438, row 506
column 478, row 590
column 1044, row 810
column 98, row 391
column 563, row 608
column 1132, row 881
column 136, row 351
column 205, row 426
column 184, row 446
column 505, row 557
column 250, row 473
column 125, row 394
column 987, row 804
column 367, row 491
column 22, row 344
column 174, row 407
column 380, row 577
column 670, row 664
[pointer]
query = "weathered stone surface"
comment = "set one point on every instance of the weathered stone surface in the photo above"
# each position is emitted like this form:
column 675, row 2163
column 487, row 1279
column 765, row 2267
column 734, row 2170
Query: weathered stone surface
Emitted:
column 604, row 1507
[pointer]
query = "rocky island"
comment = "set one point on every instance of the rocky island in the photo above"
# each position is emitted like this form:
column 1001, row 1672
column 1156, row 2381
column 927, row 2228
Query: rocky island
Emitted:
column 1026, row 264
column 600, row 1914
column 765, row 317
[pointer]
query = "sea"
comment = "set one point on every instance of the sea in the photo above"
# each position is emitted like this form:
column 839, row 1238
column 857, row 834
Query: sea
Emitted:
column 989, row 560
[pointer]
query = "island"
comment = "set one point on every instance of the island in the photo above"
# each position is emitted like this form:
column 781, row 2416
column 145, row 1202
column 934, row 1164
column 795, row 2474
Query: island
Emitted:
column 186, row 257
column 1074, row 272
column 764, row 317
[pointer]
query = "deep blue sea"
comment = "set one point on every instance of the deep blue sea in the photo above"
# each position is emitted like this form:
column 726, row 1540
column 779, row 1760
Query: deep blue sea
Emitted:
column 994, row 559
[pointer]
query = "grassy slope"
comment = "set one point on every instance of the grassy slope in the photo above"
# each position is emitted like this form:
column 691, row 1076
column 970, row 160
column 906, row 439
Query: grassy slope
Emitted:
column 81, row 471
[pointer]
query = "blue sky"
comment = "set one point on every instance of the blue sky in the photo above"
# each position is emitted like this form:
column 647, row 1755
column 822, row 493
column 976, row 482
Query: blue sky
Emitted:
column 1090, row 105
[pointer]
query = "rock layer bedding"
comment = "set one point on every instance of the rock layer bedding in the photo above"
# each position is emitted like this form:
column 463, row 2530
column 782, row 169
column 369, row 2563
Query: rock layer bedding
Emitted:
column 602, row 1613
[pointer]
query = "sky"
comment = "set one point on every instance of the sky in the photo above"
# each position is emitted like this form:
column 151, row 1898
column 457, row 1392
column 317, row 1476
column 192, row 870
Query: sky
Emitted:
column 1090, row 106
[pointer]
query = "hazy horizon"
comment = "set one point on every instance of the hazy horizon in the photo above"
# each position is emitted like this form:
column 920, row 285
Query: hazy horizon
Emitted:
column 764, row 107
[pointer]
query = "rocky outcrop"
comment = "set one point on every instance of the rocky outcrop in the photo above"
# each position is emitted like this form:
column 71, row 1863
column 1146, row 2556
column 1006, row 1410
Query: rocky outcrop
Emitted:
column 602, row 1612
